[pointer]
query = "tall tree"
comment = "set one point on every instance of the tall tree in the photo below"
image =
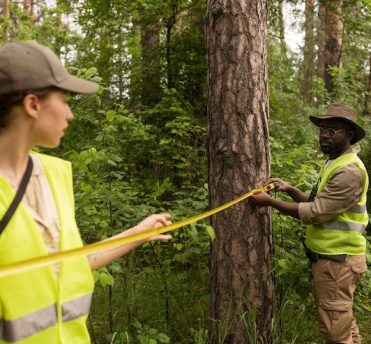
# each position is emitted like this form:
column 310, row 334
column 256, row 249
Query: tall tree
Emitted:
column 333, row 41
column 6, row 16
column 170, row 22
column 151, row 71
column 281, row 27
column 241, row 280
column 366, row 104
column 320, row 39
column 28, row 8
column 308, row 52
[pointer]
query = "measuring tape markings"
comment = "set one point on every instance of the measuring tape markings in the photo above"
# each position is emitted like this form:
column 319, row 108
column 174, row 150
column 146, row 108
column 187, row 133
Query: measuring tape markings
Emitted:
column 9, row 269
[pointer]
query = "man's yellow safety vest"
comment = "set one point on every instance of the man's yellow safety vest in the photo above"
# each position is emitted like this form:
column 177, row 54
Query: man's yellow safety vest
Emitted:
column 342, row 235
column 36, row 306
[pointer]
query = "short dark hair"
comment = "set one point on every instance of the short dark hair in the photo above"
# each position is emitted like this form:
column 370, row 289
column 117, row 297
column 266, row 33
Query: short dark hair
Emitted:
column 9, row 100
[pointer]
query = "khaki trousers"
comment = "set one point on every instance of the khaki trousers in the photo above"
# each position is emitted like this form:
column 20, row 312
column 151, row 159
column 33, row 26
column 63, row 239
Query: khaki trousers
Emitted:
column 334, row 284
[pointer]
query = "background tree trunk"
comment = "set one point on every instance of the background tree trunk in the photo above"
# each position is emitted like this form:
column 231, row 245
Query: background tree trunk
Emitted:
column 241, row 280
column 6, row 16
column 366, row 105
column 281, row 27
column 308, row 52
column 333, row 41
column 320, row 40
column 27, row 7
column 170, row 22
column 151, row 66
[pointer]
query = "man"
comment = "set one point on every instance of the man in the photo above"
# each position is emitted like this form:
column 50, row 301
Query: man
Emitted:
column 335, row 214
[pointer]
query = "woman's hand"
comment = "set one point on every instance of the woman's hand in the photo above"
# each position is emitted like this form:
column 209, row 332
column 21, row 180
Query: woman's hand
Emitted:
column 154, row 221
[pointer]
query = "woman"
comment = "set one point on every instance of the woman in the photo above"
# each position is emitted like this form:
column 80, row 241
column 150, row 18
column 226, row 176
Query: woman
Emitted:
column 50, row 304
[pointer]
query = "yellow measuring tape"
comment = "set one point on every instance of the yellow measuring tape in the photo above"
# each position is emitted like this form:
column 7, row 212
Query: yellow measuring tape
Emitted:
column 9, row 269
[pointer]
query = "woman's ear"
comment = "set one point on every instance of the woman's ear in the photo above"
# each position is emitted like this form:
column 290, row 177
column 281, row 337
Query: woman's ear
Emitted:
column 31, row 105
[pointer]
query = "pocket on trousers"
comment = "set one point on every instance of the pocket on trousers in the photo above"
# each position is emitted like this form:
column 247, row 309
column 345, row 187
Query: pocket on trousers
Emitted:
column 339, row 313
column 336, row 305
column 359, row 269
column 358, row 273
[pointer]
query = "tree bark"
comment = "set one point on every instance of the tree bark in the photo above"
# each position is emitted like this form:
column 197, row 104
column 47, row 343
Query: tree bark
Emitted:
column 27, row 7
column 6, row 16
column 281, row 27
column 366, row 105
column 242, row 288
column 170, row 22
column 308, row 52
column 320, row 40
column 151, row 70
column 333, row 41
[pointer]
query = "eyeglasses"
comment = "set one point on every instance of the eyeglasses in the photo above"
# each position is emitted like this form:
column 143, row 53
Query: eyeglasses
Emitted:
column 330, row 132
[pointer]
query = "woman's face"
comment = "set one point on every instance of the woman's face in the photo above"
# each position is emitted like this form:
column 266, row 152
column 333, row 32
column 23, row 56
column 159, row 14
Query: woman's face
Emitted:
column 54, row 115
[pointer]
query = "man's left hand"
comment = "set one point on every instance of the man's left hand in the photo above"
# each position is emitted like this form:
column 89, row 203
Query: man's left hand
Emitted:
column 261, row 199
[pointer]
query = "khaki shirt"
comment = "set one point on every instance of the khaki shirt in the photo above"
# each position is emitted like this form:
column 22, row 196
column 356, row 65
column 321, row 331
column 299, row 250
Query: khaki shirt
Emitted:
column 40, row 202
column 341, row 193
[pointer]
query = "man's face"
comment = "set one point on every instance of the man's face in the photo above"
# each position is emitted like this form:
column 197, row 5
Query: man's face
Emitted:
column 334, row 137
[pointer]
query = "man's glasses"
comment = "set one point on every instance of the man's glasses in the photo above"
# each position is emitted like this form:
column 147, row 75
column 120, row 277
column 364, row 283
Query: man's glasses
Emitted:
column 330, row 132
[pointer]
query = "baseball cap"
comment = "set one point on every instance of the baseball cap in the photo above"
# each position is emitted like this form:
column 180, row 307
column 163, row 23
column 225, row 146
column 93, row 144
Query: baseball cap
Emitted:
column 30, row 65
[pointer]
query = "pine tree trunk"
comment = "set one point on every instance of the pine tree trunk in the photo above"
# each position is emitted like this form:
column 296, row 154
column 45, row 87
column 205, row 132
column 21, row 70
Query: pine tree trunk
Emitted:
column 308, row 52
column 333, row 41
column 241, row 283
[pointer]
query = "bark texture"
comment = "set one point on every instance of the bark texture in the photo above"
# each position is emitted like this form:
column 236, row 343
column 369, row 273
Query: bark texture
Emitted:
column 333, row 41
column 242, row 287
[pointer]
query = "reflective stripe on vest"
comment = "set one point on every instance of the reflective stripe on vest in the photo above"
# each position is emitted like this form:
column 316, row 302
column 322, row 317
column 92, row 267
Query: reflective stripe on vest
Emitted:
column 30, row 324
column 76, row 308
column 343, row 226
column 358, row 209
column 17, row 329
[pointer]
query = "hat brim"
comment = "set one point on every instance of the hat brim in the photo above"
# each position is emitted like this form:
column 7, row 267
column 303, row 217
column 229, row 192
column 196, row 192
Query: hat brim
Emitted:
column 359, row 132
column 78, row 85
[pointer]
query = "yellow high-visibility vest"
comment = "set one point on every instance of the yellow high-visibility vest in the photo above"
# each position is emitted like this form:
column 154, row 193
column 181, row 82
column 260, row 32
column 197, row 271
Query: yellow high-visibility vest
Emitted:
column 36, row 306
column 343, row 235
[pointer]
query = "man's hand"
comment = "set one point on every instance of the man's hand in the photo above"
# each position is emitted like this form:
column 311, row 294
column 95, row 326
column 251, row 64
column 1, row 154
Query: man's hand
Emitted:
column 282, row 185
column 261, row 199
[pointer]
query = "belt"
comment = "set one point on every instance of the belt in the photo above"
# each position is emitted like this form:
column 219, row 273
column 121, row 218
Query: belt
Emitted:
column 313, row 256
column 337, row 257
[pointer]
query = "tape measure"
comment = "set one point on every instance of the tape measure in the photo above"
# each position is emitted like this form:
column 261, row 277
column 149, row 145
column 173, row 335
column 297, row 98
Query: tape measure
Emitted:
column 9, row 269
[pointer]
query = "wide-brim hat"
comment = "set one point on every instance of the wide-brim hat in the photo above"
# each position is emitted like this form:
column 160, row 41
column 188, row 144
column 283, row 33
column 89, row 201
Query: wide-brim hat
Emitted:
column 345, row 114
column 26, row 66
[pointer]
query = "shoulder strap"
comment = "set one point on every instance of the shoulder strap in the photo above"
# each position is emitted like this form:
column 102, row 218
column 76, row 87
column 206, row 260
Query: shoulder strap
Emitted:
column 18, row 197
